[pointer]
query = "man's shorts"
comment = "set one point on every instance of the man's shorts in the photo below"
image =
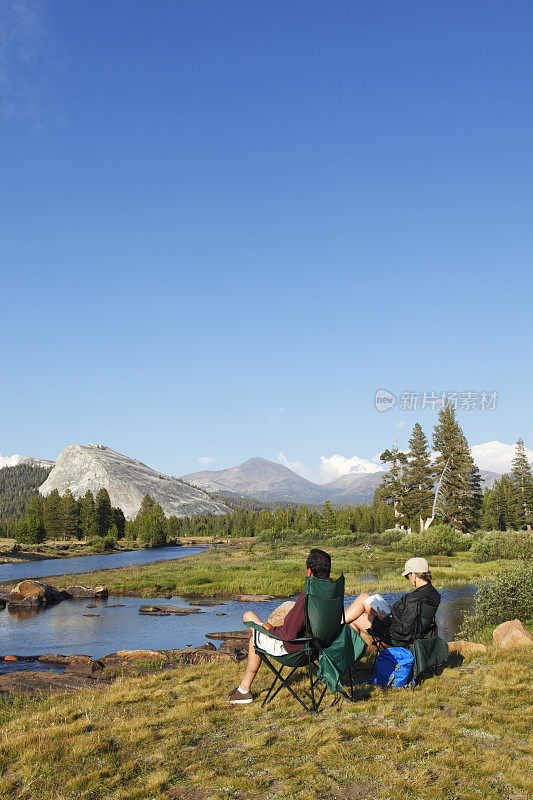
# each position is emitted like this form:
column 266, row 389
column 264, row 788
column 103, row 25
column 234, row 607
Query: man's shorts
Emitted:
column 274, row 647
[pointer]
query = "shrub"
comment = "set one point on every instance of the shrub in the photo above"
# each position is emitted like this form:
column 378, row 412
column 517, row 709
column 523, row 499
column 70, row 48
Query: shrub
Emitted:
column 439, row 540
column 499, row 544
column 109, row 542
column 97, row 544
column 510, row 596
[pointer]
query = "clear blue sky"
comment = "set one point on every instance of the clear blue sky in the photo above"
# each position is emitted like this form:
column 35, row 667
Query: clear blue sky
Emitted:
column 225, row 225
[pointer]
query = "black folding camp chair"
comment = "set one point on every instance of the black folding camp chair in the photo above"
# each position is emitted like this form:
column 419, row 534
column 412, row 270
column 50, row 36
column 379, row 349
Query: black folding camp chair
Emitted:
column 328, row 641
column 427, row 647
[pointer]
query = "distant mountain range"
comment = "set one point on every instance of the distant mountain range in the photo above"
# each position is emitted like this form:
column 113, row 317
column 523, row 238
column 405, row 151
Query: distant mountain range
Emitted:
column 266, row 480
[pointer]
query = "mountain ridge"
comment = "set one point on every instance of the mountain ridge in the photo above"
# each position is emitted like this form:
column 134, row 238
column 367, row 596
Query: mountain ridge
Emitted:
column 127, row 480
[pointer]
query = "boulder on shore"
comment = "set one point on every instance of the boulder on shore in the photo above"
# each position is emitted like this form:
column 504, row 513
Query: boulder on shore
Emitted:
column 512, row 634
column 465, row 648
column 34, row 594
column 83, row 592
column 279, row 613
column 84, row 666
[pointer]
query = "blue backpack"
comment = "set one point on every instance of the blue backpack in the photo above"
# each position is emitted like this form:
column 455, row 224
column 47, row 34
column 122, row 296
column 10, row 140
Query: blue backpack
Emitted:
column 393, row 667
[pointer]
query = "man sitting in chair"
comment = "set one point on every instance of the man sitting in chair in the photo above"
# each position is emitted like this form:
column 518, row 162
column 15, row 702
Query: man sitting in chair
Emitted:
column 401, row 623
column 318, row 564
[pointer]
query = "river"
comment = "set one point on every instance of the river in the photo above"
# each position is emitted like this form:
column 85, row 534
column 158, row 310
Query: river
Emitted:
column 71, row 566
column 64, row 628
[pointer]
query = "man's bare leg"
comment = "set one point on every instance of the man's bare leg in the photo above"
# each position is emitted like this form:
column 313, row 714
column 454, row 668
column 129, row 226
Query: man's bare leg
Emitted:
column 253, row 662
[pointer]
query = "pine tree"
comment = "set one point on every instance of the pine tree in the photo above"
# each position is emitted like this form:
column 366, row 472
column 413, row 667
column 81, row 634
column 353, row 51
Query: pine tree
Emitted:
column 152, row 526
column 417, row 498
column 119, row 521
column 69, row 516
column 88, row 525
column 392, row 488
column 522, row 479
column 104, row 516
column 460, row 496
column 327, row 520
column 52, row 515
column 499, row 506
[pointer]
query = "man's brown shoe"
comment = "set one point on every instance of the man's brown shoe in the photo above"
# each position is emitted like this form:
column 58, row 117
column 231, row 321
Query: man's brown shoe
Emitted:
column 237, row 696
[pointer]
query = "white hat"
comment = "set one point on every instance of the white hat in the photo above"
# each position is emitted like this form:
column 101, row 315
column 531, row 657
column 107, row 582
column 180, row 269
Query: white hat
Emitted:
column 415, row 565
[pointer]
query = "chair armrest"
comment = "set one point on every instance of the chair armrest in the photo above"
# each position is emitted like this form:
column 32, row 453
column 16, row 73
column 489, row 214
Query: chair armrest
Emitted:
column 260, row 628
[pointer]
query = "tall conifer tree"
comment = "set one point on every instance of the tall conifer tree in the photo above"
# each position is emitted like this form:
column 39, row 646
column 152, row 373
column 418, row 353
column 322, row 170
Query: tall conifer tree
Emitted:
column 418, row 479
column 52, row 515
column 522, row 479
column 104, row 514
column 460, row 497
column 88, row 515
column 392, row 488
column 69, row 516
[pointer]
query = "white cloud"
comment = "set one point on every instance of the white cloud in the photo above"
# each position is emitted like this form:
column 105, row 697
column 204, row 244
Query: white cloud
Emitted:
column 296, row 466
column 496, row 456
column 330, row 467
column 274, row 413
column 9, row 461
column 334, row 466
column 206, row 460
column 401, row 424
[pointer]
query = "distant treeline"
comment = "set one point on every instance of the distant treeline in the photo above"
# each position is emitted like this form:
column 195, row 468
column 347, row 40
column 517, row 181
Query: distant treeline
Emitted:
column 17, row 485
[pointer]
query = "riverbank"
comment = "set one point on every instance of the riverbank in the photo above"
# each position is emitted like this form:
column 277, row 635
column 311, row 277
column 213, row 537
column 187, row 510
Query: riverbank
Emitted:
column 259, row 569
column 172, row 734
column 13, row 553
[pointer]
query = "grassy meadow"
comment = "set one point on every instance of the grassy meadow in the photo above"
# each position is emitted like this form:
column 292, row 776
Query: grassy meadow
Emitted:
column 261, row 569
column 172, row 734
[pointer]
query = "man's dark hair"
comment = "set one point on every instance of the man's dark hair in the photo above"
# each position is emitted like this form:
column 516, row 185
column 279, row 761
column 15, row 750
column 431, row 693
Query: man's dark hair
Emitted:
column 319, row 563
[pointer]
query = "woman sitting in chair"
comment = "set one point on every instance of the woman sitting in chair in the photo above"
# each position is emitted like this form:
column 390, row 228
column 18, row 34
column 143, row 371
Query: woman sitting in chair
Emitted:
column 401, row 624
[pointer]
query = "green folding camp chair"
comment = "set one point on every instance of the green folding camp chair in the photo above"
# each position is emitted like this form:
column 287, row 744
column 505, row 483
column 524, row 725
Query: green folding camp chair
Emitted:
column 327, row 639
column 428, row 649
column 425, row 626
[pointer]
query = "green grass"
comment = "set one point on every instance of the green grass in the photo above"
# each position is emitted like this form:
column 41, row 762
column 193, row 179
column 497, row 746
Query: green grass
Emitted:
column 461, row 736
column 224, row 572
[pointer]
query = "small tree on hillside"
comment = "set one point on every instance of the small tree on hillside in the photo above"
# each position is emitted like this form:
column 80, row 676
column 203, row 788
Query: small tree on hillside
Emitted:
column 522, row 479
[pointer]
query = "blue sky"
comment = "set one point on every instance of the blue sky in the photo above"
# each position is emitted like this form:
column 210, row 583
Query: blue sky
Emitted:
column 224, row 226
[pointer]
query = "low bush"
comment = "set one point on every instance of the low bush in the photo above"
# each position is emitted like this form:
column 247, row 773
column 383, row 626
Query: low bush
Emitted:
column 509, row 596
column 503, row 544
column 439, row 540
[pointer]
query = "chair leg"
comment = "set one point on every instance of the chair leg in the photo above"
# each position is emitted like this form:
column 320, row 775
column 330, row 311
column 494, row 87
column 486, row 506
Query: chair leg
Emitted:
column 314, row 706
column 271, row 687
column 285, row 683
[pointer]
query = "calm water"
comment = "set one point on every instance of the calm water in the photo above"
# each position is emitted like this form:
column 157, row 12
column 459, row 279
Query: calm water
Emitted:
column 63, row 628
column 71, row 566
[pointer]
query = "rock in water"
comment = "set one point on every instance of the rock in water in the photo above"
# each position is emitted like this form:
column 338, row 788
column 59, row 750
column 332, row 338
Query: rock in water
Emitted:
column 34, row 594
column 94, row 466
column 84, row 592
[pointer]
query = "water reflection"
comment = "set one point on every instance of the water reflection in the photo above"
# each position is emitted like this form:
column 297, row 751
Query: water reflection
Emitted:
column 23, row 613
